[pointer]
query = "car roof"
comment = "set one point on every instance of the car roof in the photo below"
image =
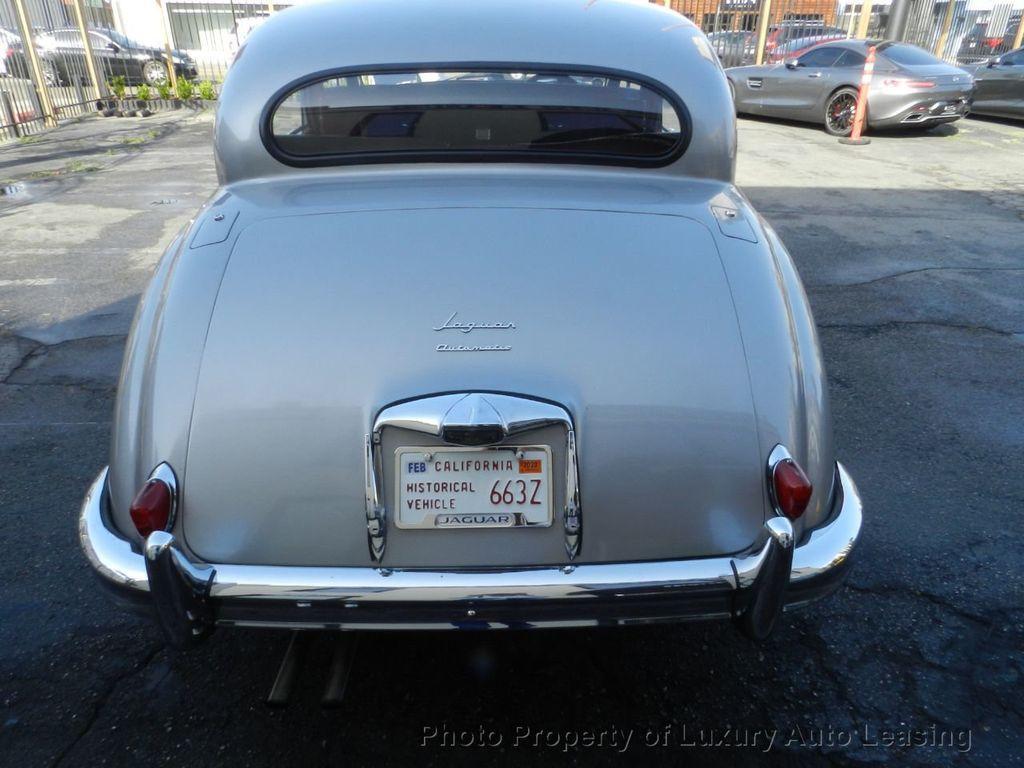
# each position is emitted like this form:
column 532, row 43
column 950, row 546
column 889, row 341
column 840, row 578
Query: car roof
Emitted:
column 860, row 45
column 622, row 37
column 801, row 42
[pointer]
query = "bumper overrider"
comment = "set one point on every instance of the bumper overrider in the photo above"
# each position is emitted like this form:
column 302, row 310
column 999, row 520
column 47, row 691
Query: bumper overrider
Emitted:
column 753, row 587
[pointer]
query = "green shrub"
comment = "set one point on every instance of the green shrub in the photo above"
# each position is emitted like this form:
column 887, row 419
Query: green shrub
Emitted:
column 206, row 91
column 117, row 86
column 164, row 90
column 185, row 89
column 143, row 92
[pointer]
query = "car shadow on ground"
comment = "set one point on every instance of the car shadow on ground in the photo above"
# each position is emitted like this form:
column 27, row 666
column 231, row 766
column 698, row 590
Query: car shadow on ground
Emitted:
column 945, row 130
column 995, row 120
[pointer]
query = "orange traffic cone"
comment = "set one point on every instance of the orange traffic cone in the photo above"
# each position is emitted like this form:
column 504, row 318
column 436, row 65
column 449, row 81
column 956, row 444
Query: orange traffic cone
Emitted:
column 862, row 102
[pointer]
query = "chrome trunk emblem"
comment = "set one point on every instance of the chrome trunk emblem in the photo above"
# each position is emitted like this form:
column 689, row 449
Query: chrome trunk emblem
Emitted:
column 452, row 324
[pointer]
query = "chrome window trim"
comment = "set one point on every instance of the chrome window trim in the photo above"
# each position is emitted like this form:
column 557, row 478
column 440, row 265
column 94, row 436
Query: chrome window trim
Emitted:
column 472, row 156
column 507, row 414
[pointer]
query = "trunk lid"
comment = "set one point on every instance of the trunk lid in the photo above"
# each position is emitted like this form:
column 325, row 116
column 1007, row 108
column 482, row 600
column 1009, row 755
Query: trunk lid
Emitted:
column 625, row 319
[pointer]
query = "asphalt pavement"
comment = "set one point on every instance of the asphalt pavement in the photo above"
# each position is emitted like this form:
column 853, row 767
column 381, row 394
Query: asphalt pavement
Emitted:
column 912, row 253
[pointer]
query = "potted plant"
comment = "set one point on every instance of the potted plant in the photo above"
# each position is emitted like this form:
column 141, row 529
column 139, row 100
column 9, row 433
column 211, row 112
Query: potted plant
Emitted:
column 143, row 95
column 185, row 90
column 117, row 86
column 207, row 92
column 164, row 92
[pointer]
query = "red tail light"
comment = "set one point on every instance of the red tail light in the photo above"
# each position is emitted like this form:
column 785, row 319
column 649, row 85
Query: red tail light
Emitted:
column 899, row 82
column 151, row 508
column 792, row 488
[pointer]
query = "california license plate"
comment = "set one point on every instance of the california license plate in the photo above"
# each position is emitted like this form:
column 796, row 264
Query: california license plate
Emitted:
column 507, row 487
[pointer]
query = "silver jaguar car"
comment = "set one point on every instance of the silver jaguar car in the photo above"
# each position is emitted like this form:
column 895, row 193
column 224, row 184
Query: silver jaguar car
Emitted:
column 910, row 87
column 476, row 333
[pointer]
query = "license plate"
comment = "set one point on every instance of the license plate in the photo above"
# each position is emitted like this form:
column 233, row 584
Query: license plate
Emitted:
column 507, row 487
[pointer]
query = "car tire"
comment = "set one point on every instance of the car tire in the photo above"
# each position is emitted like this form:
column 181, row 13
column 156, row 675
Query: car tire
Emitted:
column 154, row 72
column 840, row 108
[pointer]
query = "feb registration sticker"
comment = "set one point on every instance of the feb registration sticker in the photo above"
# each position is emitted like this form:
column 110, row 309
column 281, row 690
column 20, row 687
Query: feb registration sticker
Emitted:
column 439, row 488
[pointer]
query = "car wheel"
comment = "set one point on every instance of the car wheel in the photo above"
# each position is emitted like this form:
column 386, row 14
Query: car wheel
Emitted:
column 154, row 72
column 839, row 112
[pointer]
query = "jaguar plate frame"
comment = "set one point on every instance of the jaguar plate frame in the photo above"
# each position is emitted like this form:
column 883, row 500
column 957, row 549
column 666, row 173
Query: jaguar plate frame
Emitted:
column 476, row 419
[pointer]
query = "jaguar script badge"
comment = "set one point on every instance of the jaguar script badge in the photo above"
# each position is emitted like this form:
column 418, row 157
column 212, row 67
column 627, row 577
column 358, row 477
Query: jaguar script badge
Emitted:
column 463, row 326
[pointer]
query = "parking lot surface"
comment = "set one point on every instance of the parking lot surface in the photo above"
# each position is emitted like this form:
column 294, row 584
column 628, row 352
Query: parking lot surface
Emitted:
column 911, row 252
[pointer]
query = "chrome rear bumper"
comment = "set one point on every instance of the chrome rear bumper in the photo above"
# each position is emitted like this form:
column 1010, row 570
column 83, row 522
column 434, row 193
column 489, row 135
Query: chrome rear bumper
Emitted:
column 753, row 587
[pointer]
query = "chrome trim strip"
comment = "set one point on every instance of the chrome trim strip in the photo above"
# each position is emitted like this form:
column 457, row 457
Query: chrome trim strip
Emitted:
column 165, row 474
column 822, row 557
column 778, row 455
column 376, row 514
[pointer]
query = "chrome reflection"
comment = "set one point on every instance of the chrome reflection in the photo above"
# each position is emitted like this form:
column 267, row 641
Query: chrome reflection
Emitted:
column 471, row 419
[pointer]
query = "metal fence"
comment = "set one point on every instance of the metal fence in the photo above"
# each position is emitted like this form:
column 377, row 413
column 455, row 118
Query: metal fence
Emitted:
column 958, row 31
column 114, row 55
column 130, row 54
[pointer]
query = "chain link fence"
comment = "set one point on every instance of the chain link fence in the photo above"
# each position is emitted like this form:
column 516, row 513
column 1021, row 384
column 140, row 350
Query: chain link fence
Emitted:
column 63, row 58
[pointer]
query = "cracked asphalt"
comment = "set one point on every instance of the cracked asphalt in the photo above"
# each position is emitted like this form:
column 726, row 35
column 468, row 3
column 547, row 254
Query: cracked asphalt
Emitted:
column 912, row 252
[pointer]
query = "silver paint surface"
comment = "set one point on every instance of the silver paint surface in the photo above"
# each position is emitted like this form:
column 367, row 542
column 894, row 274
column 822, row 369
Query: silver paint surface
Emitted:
column 653, row 304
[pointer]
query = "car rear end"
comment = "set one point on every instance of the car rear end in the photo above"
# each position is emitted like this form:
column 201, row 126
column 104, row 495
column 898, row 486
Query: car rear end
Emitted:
column 601, row 467
column 473, row 346
column 912, row 87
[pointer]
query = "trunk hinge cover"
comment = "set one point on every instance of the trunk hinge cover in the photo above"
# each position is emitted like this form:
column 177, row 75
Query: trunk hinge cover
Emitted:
column 376, row 515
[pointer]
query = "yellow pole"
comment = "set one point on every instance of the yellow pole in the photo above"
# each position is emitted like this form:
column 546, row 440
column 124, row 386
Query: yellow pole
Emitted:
column 167, row 45
column 865, row 19
column 947, row 23
column 1019, row 37
column 762, row 30
column 90, row 60
column 270, row 5
column 28, row 43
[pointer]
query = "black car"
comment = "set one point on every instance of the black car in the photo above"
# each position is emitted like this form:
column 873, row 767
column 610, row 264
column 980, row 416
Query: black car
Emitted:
column 115, row 55
column 999, row 85
column 13, row 62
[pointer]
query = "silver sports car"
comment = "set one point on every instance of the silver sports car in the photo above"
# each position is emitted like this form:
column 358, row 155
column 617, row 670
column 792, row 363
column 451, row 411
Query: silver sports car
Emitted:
column 910, row 88
column 999, row 87
column 476, row 333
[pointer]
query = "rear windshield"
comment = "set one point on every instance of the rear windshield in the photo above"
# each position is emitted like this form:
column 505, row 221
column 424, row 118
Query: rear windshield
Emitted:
column 909, row 54
column 476, row 114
